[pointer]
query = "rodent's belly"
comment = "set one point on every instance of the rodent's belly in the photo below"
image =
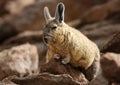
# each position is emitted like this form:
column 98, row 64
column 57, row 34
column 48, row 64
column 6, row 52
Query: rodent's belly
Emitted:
column 78, row 59
column 85, row 63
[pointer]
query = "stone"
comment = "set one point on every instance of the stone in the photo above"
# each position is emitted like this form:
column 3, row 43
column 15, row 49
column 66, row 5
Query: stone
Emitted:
column 20, row 60
column 110, row 63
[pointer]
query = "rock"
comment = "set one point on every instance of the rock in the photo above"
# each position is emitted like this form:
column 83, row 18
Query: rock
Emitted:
column 28, row 15
column 22, row 60
column 101, row 12
column 99, row 80
column 110, row 63
column 24, row 37
column 7, row 30
column 115, row 84
column 7, row 81
column 113, row 45
column 9, row 7
column 3, row 10
column 30, row 18
column 9, row 12
column 82, row 5
column 47, row 79
column 32, row 37
column 100, row 32
column 17, row 6
column 55, row 67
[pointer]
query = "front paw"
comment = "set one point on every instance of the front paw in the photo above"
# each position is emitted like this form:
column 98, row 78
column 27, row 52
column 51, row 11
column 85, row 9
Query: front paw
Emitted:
column 57, row 57
column 65, row 61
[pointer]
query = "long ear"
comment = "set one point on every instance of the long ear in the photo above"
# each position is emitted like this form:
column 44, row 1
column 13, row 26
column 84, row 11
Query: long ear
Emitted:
column 47, row 14
column 59, row 15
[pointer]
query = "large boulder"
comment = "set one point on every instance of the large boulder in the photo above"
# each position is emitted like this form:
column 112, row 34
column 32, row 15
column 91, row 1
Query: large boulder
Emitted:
column 110, row 63
column 20, row 60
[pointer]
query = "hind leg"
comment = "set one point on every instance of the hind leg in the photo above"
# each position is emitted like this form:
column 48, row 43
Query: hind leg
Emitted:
column 93, row 70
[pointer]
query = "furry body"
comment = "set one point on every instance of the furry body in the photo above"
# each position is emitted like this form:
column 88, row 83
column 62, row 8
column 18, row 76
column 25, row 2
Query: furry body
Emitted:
column 70, row 44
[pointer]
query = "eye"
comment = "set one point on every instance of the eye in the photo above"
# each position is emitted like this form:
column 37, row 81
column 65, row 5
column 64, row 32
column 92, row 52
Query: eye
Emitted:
column 54, row 27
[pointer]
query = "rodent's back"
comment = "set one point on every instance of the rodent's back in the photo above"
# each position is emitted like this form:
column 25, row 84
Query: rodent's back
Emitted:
column 82, row 50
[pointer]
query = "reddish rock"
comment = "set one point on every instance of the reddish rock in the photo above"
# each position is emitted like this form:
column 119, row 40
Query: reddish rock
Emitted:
column 47, row 79
column 115, row 84
column 22, row 60
column 8, row 7
column 100, row 32
column 55, row 67
column 17, row 6
column 28, row 15
column 101, row 12
column 113, row 45
column 110, row 63
column 24, row 37
column 99, row 80
column 30, row 18
column 33, row 37
column 7, row 81
column 3, row 10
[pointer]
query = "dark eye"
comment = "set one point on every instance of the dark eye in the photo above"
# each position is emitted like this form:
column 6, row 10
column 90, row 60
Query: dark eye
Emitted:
column 54, row 27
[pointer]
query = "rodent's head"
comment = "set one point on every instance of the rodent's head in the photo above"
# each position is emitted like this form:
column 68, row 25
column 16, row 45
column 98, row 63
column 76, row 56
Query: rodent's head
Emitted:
column 53, row 29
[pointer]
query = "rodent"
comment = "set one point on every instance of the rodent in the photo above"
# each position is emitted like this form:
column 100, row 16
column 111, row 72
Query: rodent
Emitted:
column 69, row 44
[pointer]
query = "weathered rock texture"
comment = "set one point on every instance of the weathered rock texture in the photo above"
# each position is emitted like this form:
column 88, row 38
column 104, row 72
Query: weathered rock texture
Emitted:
column 21, row 60
column 110, row 64
column 113, row 45
column 47, row 79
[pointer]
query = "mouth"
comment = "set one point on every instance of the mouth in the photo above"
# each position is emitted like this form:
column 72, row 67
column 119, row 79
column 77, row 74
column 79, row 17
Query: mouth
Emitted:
column 49, row 38
column 45, row 39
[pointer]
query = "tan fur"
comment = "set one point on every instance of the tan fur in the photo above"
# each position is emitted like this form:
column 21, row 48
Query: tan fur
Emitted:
column 70, row 44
